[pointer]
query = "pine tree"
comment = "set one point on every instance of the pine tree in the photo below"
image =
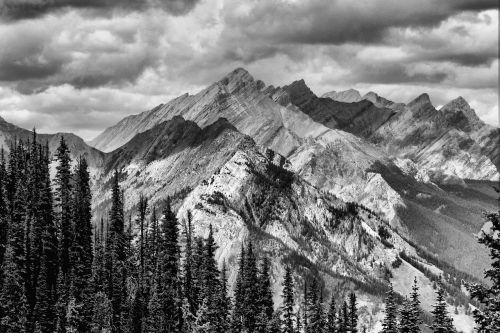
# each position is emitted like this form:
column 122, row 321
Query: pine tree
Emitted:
column 46, row 291
column 102, row 318
column 81, row 248
column 339, row 323
column 316, row 312
column 405, row 315
column 142, row 210
column 390, row 321
column 63, row 192
column 15, row 309
column 116, row 255
column 265, row 301
column 250, row 291
column 288, row 302
column 223, row 303
column 275, row 324
column 353, row 313
column 63, row 209
column 210, row 271
column 13, row 302
column 188, row 265
column 237, row 314
column 3, row 211
column 346, row 325
column 416, row 312
column 487, row 318
column 136, row 313
column 441, row 321
column 331, row 317
column 167, row 306
column 34, row 225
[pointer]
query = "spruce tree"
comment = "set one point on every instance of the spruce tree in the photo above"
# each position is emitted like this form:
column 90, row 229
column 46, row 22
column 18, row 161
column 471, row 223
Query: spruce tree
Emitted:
column 346, row 324
column 210, row 271
column 251, row 292
column 81, row 248
column 416, row 312
column 223, row 302
column 487, row 318
column 237, row 314
column 331, row 317
column 116, row 255
column 102, row 314
column 441, row 321
column 46, row 291
column 339, row 323
column 3, row 211
column 142, row 210
column 166, row 308
column 390, row 321
column 275, row 324
column 288, row 302
column 265, row 301
column 13, row 301
column 353, row 313
column 34, row 225
column 316, row 313
column 15, row 308
column 188, row 265
column 405, row 315
column 63, row 181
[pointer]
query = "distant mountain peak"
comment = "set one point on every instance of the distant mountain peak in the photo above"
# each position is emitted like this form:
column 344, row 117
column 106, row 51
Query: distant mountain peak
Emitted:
column 457, row 106
column 346, row 96
column 371, row 94
column 237, row 75
column 422, row 99
column 299, row 85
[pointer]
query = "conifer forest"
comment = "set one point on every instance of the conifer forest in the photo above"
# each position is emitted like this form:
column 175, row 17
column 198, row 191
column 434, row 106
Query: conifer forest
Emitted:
column 63, row 273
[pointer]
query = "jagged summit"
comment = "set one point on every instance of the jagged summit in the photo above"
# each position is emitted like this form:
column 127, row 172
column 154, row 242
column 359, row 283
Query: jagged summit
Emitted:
column 459, row 113
column 420, row 101
column 239, row 75
column 346, row 96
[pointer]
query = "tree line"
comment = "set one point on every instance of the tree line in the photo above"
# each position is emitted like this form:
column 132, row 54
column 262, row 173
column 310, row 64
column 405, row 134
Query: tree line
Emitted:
column 61, row 274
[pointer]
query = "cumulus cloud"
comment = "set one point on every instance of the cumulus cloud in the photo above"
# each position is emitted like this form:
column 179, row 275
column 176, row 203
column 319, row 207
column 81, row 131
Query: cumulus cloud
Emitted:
column 23, row 9
column 82, row 65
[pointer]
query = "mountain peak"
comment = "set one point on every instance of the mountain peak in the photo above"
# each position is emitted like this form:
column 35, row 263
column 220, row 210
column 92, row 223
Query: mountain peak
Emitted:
column 298, row 91
column 237, row 75
column 458, row 102
column 371, row 94
column 423, row 99
column 346, row 96
column 458, row 106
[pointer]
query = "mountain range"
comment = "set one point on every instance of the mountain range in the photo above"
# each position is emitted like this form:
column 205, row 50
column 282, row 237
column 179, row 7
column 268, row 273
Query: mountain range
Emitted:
column 339, row 186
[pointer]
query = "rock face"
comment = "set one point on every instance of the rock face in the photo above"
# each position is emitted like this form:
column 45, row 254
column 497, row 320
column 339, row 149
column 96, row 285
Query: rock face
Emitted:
column 361, row 118
column 248, row 192
column 346, row 96
column 382, row 102
column 452, row 140
column 344, row 148
column 9, row 133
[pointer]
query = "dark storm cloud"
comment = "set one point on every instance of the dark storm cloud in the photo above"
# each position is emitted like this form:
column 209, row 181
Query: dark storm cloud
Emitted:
column 26, row 9
column 338, row 22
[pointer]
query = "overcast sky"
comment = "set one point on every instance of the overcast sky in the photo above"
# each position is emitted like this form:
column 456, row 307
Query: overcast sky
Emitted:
column 82, row 65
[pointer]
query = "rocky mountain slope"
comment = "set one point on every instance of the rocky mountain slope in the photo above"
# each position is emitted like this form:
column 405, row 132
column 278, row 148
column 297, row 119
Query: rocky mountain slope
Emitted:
column 343, row 148
column 9, row 133
column 248, row 192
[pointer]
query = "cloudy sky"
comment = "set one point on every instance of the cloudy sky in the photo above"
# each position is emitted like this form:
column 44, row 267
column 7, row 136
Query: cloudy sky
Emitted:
column 82, row 65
